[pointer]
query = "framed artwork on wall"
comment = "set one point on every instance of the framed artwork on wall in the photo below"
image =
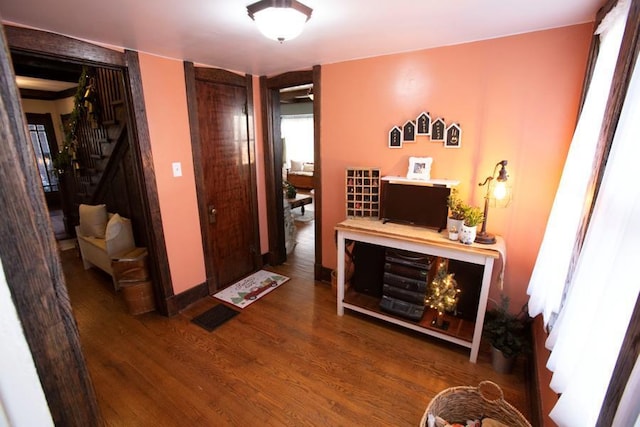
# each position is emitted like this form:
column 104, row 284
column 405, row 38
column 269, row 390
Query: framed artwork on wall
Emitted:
column 395, row 137
column 420, row 168
column 409, row 132
column 454, row 136
column 437, row 130
column 423, row 124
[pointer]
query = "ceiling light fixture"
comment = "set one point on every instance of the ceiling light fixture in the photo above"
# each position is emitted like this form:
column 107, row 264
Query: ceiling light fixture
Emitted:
column 279, row 19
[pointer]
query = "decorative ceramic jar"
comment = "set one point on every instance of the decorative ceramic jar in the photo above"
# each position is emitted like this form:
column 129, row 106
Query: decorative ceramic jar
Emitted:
column 468, row 234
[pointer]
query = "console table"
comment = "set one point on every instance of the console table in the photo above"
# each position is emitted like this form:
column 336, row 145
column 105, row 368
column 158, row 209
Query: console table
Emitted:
column 423, row 240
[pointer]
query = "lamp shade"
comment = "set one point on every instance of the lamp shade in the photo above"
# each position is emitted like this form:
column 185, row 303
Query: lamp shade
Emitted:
column 279, row 19
column 500, row 190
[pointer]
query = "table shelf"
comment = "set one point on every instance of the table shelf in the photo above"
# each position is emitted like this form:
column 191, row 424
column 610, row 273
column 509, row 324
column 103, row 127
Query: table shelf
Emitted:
column 427, row 241
column 458, row 328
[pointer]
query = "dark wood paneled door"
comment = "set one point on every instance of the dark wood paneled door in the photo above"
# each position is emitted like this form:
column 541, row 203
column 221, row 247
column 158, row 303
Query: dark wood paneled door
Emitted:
column 229, row 231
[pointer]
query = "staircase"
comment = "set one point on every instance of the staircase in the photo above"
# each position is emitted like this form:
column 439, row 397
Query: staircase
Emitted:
column 99, row 135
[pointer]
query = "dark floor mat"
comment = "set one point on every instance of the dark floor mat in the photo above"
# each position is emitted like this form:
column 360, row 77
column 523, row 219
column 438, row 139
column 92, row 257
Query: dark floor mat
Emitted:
column 214, row 317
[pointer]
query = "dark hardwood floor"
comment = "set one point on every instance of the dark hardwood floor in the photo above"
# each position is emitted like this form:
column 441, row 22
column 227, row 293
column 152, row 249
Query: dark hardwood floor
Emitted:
column 287, row 359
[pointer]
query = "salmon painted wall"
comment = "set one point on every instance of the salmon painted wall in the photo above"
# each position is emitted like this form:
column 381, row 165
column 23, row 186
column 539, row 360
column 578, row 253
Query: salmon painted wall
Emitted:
column 261, row 181
column 516, row 98
column 165, row 98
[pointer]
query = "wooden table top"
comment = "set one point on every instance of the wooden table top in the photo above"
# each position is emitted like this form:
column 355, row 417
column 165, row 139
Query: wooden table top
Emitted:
column 299, row 197
column 419, row 235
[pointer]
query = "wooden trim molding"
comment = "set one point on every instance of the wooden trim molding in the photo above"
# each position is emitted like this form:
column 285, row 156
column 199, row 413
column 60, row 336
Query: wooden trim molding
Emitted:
column 33, row 270
column 179, row 302
column 317, row 174
column 594, row 48
column 619, row 85
column 627, row 60
column 543, row 399
column 155, row 235
column 270, row 96
column 325, row 273
column 251, row 134
column 38, row 41
column 220, row 76
column 627, row 358
column 273, row 177
column 196, row 149
column 46, row 95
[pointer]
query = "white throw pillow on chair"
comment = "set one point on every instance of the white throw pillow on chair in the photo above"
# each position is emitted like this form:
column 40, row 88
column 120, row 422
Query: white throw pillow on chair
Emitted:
column 114, row 226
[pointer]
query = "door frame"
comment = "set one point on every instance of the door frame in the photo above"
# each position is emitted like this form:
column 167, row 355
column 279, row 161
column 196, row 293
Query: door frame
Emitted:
column 33, row 270
column 32, row 264
column 270, row 97
column 217, row 75
column 65, row 48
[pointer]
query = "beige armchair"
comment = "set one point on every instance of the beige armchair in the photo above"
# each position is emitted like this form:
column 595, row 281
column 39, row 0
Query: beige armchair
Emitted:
column 101, row 236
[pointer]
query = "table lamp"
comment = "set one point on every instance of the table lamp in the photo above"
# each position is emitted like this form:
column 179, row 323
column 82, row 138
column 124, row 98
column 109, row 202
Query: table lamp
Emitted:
column 496, row 191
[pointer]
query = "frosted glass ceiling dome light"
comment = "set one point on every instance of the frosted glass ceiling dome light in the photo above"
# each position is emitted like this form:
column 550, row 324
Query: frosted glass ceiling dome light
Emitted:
column 279, row 19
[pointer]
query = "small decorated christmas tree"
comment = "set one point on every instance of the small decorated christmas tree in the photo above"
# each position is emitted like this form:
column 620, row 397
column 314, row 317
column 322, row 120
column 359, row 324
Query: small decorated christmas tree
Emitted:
column 443, row 292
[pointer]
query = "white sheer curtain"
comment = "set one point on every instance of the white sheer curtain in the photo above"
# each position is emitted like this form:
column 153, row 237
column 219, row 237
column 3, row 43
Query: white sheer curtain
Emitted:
column 593, row 317
column 589, row 332
column 547, row 281
column 297, row 132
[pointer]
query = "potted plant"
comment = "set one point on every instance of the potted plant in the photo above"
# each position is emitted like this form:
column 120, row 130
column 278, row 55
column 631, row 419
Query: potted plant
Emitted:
column 290, row 190
column 472, row 217
column 506, row 333
column 456, row 214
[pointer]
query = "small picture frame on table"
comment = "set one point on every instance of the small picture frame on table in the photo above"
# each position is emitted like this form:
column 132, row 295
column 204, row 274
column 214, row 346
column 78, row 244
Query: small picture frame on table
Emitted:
column 420, row 168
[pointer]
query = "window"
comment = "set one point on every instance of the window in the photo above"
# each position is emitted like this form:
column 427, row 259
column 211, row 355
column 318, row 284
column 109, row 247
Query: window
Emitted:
column 297, row 137
column 594, row 298
column 40, row 127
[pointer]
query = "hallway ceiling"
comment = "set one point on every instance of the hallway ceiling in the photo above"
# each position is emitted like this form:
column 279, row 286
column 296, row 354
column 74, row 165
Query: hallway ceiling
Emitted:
column 220, row 33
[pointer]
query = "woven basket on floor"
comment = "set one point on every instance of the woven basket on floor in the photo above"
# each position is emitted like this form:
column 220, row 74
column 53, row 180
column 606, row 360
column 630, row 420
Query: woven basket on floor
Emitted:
column 459, row 404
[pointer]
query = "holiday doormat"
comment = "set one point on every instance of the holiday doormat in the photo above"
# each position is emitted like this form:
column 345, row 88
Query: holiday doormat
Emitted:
column 214, row 317
column 251, row 288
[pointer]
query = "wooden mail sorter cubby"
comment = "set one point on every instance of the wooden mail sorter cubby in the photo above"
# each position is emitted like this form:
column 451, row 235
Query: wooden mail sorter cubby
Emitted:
column 363, row 192
column 463, row 332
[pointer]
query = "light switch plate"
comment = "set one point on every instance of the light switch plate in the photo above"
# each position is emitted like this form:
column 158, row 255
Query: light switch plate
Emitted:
column 177, row 169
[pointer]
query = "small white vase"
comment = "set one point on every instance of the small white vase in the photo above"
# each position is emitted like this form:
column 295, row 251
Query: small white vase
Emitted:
column 468, row 234
column 454, row 225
